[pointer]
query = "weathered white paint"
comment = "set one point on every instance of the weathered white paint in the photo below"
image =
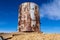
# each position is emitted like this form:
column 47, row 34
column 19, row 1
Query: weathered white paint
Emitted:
column 24, row 4
column 22, row 18
column 25, row 17
column 32, row 14
column 32, row 6
column 33, row 23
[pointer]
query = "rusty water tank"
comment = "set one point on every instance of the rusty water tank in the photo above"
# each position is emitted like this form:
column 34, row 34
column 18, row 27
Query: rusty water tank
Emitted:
column 28, row 17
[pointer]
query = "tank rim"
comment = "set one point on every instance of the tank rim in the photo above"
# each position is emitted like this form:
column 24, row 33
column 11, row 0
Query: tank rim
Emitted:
column 29, row 2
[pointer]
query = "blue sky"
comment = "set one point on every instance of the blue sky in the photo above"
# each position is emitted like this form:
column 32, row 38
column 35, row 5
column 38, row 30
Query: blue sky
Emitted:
column 49, row 15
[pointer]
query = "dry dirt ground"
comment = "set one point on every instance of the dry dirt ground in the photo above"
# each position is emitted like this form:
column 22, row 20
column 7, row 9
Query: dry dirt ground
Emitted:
column 30, row 36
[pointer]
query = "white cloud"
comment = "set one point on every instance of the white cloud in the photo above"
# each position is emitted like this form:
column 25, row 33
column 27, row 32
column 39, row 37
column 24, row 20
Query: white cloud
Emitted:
column 51, row 11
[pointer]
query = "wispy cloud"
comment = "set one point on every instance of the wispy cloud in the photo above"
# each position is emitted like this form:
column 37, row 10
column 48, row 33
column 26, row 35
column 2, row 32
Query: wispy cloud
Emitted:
column 51, row 11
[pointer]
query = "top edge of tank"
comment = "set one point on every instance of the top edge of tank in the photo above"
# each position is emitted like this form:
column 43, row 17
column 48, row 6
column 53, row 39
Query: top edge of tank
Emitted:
column 29, row 2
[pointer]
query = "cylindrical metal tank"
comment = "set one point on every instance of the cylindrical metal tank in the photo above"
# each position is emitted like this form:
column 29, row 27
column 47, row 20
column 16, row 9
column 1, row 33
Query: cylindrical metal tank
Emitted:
column 28, row 17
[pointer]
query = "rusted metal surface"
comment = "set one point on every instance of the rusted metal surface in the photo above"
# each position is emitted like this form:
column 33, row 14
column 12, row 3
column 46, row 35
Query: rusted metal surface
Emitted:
column 28, row 17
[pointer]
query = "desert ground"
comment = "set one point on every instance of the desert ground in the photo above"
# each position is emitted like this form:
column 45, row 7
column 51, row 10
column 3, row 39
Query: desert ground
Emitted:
column 30, row 36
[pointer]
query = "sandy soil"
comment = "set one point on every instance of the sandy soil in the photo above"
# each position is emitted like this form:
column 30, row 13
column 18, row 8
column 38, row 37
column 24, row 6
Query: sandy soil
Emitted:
column 31, row 36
